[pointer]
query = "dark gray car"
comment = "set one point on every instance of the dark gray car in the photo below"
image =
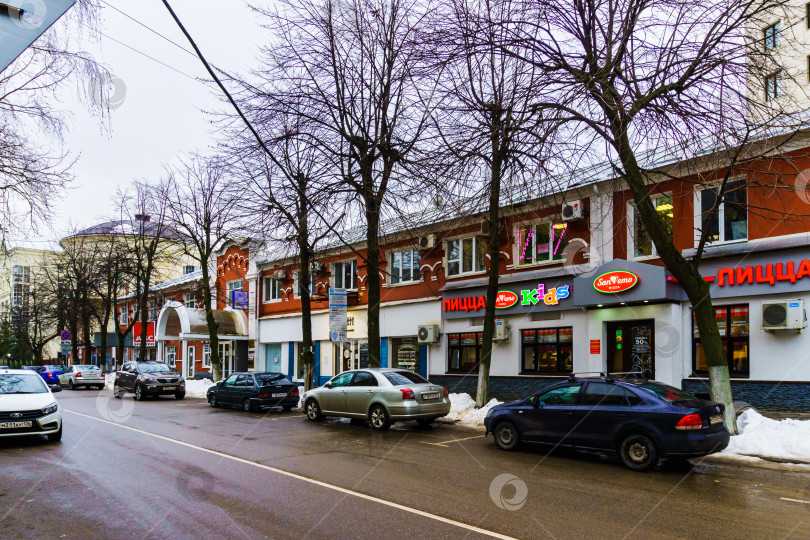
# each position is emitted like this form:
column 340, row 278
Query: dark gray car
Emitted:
column 382, row 396
column 149, row 379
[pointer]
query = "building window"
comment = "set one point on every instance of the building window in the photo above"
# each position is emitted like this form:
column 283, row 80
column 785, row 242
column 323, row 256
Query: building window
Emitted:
column 189, row 269
column 641, row 241
column 731, row 220
column 771, row 36
column 542, row 242
column 206, row 360
column 297, row 288
column 405, row 266
column 345, row 274
column 547, row 350
column 171, row 355
column 153, row 310
column 732, row 322
column 189, row 300
column 272, row 290
column 123, row 315
column 464, row 351
column 21, row 278
column 466, row 255
column 773, row 86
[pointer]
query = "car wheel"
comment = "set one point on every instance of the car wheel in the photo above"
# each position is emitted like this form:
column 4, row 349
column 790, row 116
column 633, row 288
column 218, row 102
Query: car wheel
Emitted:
column 179, row 395
column 506, row 436
column 379, row 418
column 117, row 391
column 212, row 400
column 71, row 385
column 139, row 393
column 56, row 437
column 638, row 452
column 247, row 406
column 314, row 411
column 287, row 408
column 425, row 421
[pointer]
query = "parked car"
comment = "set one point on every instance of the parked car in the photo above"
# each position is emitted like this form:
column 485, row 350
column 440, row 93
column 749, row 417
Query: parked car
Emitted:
column 27, row 406
column 254, row 391
column 383, row 396
column 146, row 379
column 638, row 419
column 82, row 376
column 50, row 374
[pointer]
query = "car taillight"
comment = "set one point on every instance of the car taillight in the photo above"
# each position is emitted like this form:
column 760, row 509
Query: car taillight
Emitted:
column 264, row 395
column 48, row 374
column 690, row 421
column 294, row 393
column 78, row 375
column 407, row 393
column 446, row 393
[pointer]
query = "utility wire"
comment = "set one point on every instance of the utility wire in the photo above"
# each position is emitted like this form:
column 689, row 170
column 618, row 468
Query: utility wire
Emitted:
column 133, row 19
column 251, row 128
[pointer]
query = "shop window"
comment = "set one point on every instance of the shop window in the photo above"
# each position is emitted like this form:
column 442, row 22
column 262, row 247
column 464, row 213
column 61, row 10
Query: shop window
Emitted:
column 345, row 275
column 547, row 350
column 272, row 290
column 641, row 241
column 731, row 220
column 405, row 266
column 466, row 255
column 464, row 351
column 732, row 322
column 542, row 242
column 206, row 359
column 299, row 361
column 171, row 355
column 404, row 353
column 771, row 37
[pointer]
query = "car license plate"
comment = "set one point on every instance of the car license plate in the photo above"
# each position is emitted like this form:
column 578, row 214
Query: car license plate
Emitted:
column 716, row 419
column 170, row 388
column 432, row 395
column 280, row 395
column 14, row 425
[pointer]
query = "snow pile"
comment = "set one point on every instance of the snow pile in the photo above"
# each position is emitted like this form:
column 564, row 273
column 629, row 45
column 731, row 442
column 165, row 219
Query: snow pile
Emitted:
column 109, row 380
column 198, row 388
column 463, row 411
column 781, row 439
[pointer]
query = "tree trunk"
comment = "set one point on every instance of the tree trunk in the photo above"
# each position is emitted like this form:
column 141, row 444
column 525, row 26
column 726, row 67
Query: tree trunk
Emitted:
column 213, row 327
column 304, row 279
column 494, row 250
column 373, row 280
column 144, row 309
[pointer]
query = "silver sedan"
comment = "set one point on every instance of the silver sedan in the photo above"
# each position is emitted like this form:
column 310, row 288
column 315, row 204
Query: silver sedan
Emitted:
column 381, row 396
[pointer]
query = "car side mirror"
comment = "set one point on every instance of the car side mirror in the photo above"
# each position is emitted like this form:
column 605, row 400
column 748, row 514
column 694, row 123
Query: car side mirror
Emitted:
column 327, row 384
column 219, row 383
column 56, row 388
column 536, row 403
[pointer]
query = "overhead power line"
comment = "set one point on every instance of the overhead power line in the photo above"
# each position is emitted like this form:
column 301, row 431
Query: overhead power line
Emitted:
column 133, row 19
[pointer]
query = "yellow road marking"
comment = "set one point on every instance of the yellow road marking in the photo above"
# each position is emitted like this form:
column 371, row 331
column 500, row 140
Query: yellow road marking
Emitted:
column 345, row 491
column 444, row 444
column 794, row 500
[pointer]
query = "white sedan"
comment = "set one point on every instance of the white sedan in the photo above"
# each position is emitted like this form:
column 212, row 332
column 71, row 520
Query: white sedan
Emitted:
column 76, row 376
column 27, row 406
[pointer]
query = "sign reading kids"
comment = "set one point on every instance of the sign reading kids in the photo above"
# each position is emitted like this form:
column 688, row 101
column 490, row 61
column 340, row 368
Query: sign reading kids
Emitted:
column 551, row 297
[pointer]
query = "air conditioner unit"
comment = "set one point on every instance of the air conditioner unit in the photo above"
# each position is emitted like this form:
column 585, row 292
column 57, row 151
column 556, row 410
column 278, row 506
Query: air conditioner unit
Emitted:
column 280, row 274
column 316, row 266
column 784, row 315
column 427, row 242
column 428, row 333
column 501, row 330
column 572, row 210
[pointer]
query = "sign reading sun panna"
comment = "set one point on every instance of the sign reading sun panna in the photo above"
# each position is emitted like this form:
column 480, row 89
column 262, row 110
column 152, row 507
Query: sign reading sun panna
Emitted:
column 615, row 282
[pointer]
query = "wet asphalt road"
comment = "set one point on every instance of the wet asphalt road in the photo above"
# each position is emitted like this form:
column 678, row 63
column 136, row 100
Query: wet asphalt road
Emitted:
column 168, row 469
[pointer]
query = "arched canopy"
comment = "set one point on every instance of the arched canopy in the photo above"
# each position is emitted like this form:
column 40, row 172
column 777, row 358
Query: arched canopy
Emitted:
column 178, row 322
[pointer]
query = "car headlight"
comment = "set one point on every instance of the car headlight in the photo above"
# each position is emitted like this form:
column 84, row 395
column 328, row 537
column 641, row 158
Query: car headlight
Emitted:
column 50, row 408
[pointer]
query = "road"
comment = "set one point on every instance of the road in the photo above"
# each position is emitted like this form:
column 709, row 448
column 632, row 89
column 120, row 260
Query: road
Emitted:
column 163, row 468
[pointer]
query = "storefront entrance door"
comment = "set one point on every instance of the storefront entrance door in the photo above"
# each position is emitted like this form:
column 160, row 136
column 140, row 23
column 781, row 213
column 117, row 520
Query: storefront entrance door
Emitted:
column 631, row 347
column 226, row 357
column 352, row 354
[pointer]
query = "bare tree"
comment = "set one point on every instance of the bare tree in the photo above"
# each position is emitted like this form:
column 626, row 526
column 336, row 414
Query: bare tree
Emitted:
column 352, row 68
column 202, row 207
column 637, row 81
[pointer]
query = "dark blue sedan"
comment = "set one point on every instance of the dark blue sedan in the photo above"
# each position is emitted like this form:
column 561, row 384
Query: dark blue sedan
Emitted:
column 50, row 374
column 640, row 420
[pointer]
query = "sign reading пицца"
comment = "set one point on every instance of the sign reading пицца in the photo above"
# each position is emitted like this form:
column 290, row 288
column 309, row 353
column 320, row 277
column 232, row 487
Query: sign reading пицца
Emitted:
column 615, row 282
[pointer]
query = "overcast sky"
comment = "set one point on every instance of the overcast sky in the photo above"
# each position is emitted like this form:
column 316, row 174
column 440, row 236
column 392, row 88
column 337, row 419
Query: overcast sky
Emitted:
column 161, row 117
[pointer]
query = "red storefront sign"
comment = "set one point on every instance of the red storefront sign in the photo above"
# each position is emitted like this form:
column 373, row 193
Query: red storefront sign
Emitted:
column 615, row 282
column 596, row 346
column 150, row 334
column 505, row 299
column 762, row 273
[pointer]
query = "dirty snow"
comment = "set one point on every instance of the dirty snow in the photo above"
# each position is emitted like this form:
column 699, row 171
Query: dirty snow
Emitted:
column 463, row 411
column 760, row 436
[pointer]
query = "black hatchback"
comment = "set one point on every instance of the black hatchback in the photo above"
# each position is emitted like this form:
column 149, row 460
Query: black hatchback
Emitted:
column 640, row 420
column 254, row 391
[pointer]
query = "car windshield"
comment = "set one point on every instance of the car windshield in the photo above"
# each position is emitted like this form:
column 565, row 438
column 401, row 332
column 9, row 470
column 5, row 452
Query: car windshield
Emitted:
column 154, row 368
column 272, row 378
column 22, row 384
column 403, row 377
column 667, row 393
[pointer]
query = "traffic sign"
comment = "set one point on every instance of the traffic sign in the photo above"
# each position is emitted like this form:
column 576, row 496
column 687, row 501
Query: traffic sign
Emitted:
column 66, row 335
